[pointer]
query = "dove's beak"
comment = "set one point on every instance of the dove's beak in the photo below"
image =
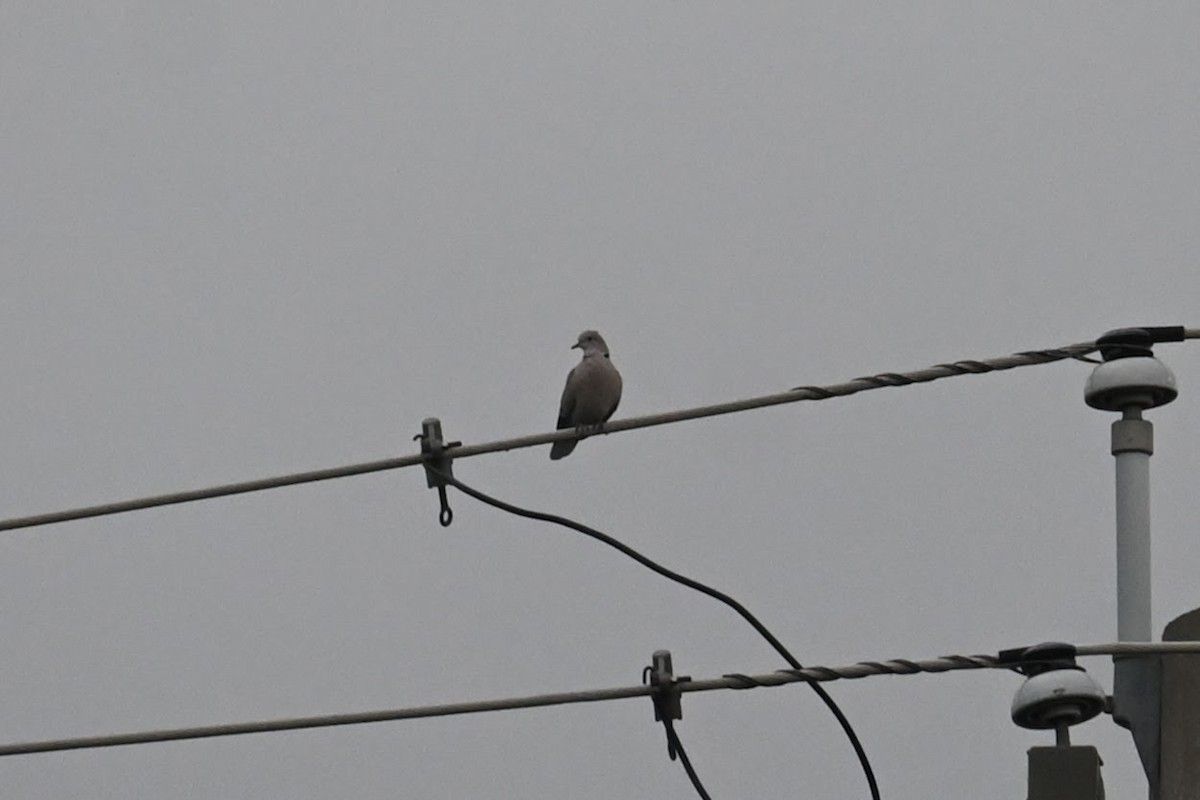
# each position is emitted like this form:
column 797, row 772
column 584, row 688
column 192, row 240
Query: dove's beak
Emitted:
column 575, row 346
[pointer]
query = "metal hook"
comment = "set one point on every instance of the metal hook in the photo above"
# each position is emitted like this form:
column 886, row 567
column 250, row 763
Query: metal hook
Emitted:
column 437, row 464
column 446, row 515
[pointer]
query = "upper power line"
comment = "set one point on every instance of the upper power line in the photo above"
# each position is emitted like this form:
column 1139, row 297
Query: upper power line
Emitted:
column 800, row 393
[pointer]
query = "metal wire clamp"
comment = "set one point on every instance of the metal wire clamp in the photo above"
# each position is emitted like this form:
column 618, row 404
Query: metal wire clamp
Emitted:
column 437, row 464
column 667, row 700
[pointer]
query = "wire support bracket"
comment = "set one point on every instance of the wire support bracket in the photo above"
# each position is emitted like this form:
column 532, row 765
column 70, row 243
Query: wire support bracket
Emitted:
column 668, row 700
column 438, row 466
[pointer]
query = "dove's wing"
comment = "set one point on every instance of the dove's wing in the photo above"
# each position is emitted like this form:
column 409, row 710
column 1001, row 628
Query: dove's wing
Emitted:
column 566, row 406
column 566, row 412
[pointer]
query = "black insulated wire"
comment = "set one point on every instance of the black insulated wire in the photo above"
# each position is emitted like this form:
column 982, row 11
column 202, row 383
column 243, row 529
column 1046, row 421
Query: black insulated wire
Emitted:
column 645, row 561
column 677, row 747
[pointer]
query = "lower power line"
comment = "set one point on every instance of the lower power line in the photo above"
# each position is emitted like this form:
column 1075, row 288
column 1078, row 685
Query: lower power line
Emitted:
column 861, row 669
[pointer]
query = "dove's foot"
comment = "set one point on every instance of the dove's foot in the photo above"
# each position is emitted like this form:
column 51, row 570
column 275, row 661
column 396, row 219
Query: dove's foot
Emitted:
column 584, row 431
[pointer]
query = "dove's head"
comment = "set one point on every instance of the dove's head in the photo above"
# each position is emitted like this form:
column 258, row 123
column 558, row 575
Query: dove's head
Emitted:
column 591, row 342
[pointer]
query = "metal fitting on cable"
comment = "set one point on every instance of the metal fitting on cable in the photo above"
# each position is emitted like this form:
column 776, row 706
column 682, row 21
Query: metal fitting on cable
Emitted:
column 668, row 705
column 437, row 465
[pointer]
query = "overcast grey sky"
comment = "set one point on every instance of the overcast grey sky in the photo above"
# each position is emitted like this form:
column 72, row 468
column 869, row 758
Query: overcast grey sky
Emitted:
column 246, row 238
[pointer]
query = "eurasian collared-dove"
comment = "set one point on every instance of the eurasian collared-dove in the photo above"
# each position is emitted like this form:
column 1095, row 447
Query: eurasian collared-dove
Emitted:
column 592, row 392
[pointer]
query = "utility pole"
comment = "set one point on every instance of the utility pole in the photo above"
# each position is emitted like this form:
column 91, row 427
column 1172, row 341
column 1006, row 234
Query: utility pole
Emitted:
column 1130, row 381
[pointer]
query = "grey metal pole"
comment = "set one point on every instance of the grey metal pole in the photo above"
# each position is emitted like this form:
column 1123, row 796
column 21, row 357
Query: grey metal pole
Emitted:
column 1130, row 381
column 1132, row 446
column 1136, row 681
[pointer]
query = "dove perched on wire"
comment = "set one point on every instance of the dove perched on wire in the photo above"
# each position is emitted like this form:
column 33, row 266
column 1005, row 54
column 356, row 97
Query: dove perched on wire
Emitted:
column 592, row 392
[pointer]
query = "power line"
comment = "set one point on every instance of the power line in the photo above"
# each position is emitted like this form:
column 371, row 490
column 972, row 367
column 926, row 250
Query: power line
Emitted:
column 731, row 681
column 677, row 748
column 690, row 583
column 800, row 393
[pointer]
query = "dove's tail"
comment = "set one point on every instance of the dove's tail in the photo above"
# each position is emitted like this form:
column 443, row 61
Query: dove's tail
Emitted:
column 562, row 449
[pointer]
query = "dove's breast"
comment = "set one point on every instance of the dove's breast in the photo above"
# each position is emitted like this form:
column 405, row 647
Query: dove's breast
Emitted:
column 597, row 391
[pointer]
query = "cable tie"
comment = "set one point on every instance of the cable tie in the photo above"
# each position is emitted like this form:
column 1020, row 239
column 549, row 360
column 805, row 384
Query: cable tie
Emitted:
column 817, row 392
column 969, row 367
column 888, row 379
column 741, row 681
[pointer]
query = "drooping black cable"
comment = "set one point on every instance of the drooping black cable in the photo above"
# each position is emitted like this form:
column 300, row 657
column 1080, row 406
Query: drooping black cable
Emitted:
column 691, row 584
column 677, row 748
